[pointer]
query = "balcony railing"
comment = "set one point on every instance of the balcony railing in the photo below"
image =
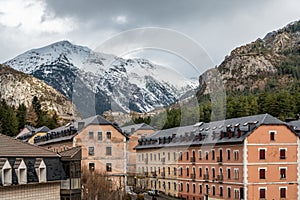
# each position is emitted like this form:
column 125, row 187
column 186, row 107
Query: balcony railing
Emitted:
column 193, row 160
column 220, row 160
column 154, row 174
column 206, row 177
column 220, row 178
column 193, row 177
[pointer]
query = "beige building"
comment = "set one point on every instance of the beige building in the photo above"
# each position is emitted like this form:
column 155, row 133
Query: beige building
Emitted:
column 28, row 172
column 103, row 146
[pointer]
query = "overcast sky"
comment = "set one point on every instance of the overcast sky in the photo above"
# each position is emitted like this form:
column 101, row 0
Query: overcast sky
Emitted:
column 217, row 26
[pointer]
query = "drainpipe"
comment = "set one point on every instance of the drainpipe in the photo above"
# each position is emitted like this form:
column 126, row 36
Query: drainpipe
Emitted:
column 125, row 164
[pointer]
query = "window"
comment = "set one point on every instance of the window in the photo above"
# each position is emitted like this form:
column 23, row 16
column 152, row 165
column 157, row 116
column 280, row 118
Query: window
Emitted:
column 108, row 167
column 272, row 135
column 175, row 157
column 108, row 135
column 200, row 172
column 262, row 173
column 200, row 189
column 213, row 154
column 108, row 151
column 236, row 174
column 221, row 191
column 228, row 154
column 187, row 187
column 206, row 155
column 91, row 135
column 282, row 173
column 169, row 170
column 6, row 174
column 236, row 155
column 282, row 192
column 236, row 194
column 22, row 173
column 187, row 171
column 99, row 135
column 187, row 155
column 229, row 192
column 175, row 171
column 213, row 172
column 262, row 193
column 282, row 153
column 200, row 155
column 262, row 154
column 91, row 151
column 180, row 171
column 213, row 190
column 175, row 186
column 181, row 187
column 228, row 173
column 169, row 185
column 180, row 155
column 155, row 157
column 91, row 167
column 194, row 188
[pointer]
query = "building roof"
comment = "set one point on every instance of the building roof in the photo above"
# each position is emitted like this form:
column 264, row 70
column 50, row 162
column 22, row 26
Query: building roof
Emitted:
column 69, row 131
column 218, row 132
column 71, row 154
column 132, row 128
column 295, row 125
column 11, row 147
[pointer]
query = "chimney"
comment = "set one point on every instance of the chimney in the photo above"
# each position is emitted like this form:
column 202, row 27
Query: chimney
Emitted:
column 80, row 126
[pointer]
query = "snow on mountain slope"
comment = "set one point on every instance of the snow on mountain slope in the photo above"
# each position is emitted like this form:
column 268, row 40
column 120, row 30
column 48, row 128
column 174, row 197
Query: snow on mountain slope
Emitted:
column 116, row 83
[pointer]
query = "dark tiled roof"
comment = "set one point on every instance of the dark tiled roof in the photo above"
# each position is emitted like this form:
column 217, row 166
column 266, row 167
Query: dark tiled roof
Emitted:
column 72, row 153
column 69, row 131
column 135, row 127
column 10, row 147
column 226, row 131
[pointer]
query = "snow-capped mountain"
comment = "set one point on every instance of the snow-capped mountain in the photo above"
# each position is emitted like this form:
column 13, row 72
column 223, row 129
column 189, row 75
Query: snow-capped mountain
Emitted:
column 97, row 82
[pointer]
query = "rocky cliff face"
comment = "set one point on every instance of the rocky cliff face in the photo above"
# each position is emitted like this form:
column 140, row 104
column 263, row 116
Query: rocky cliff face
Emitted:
column 17, row 87
column 252, row 66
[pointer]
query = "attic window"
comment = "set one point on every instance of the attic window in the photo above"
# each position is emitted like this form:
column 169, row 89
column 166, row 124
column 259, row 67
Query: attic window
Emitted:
column 108, row 135
column 6, row 174
column 42, row 172
column 22, row 173
column 272, row 135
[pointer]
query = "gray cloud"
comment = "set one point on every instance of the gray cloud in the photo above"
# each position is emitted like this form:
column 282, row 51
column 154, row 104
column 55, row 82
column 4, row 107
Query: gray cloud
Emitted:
column 217, row 25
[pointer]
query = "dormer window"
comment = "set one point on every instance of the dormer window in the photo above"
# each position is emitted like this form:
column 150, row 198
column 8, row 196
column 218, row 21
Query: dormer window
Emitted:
column 6, row 174
column 272, row 135
column 21, row 170
column 41, row 170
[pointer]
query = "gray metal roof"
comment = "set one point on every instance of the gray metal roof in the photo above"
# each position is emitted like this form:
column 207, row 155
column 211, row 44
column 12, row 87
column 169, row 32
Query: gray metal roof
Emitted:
column 226, row 131
column 128, row 129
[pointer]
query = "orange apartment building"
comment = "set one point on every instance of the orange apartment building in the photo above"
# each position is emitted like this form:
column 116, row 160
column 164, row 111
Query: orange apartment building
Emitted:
column 134, row 133
column 255, row 157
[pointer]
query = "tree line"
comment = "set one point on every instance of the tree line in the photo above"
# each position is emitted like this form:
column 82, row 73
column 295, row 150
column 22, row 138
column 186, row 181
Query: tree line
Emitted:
column 13, row 119
column 282, row 104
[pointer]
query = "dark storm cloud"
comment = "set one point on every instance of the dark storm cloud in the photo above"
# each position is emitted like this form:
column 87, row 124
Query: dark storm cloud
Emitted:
column 144, row 12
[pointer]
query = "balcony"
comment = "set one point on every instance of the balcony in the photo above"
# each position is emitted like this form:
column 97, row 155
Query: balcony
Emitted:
column 154, row 174
column 71, row 184
column 193, row 160
column 193, row 177
column 163, row 174
column 220, row 178
column 220, row 160
column 206, row 177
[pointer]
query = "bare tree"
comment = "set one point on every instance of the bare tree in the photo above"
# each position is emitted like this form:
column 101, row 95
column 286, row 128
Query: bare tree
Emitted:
column 98, row 185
